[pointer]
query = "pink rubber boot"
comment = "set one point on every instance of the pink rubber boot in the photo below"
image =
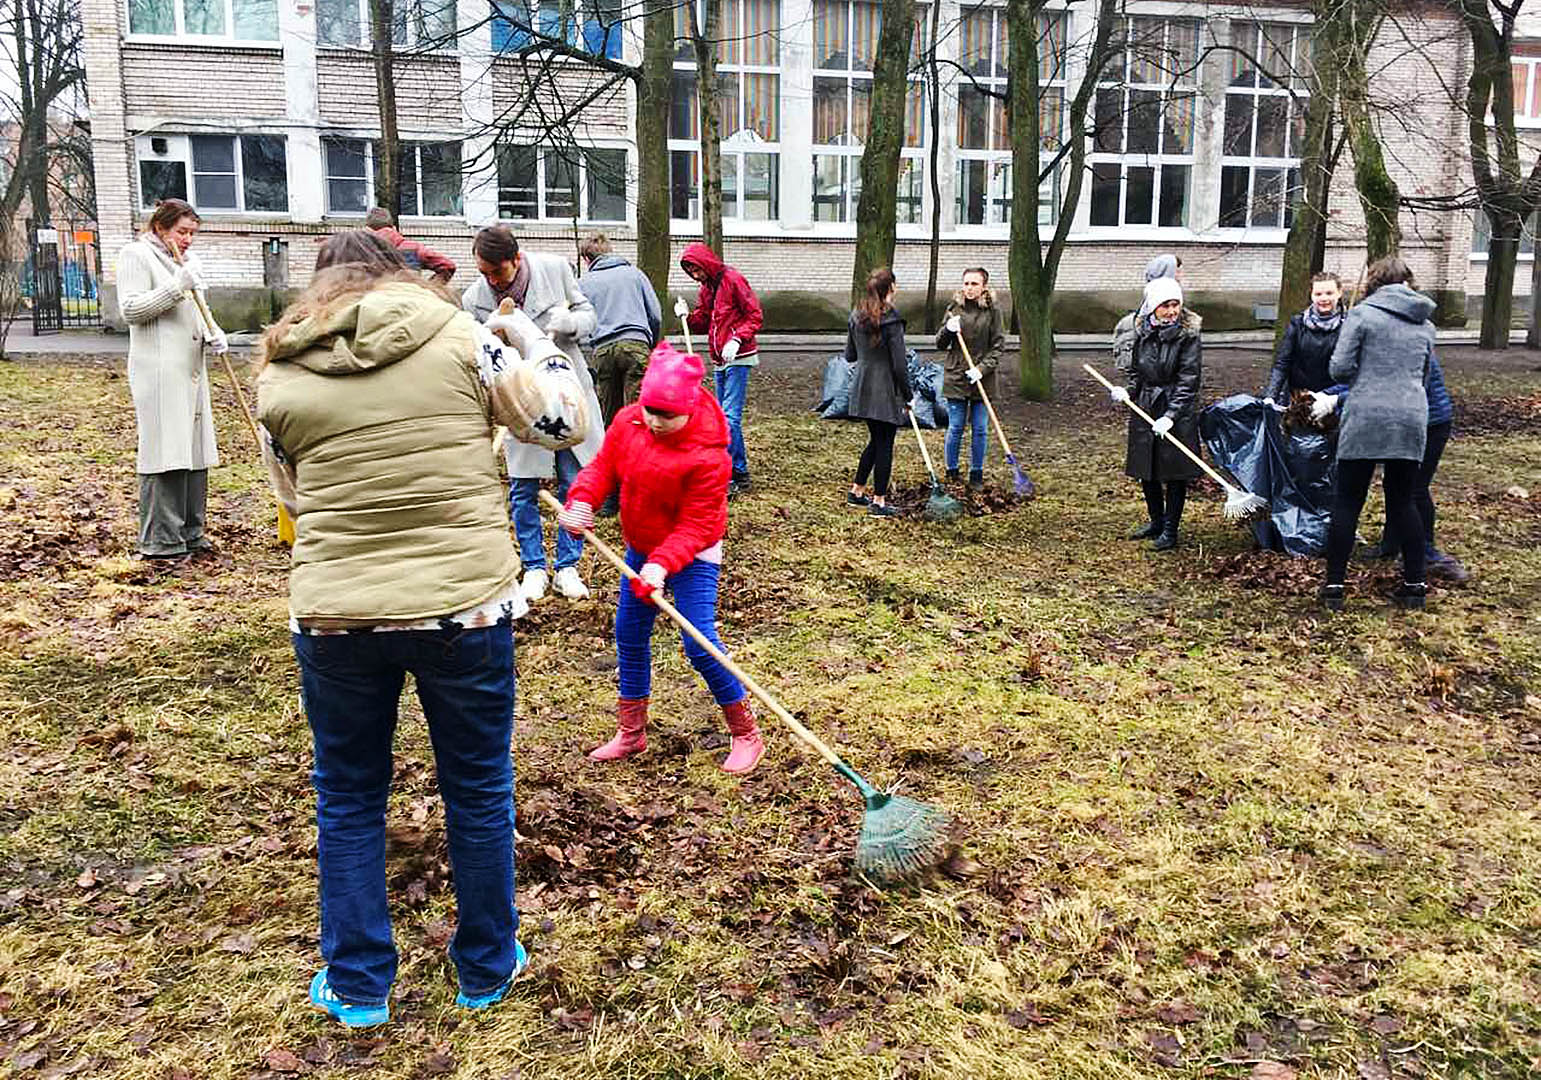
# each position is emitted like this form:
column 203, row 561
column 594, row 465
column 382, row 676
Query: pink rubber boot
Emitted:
column 630, row 731
column 747, row 747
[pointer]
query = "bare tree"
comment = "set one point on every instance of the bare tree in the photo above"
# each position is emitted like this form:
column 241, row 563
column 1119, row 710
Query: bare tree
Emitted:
column 877, row 210
column 382, row 29
column 704, row 41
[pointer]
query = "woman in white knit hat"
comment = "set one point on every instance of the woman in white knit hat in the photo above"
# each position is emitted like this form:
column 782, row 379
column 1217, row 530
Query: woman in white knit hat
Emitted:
column 1165, row 367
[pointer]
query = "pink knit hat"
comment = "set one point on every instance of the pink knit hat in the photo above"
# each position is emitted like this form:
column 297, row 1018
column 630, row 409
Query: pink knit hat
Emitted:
column 673, row 380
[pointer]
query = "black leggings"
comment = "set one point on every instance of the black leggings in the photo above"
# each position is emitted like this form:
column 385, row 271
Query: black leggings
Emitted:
column 1423, row 499
column 1399, row 479
column 1169, row 513
column 877, row 459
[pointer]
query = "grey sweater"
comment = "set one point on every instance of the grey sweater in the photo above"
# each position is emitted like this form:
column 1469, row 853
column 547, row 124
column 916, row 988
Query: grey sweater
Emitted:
column 1382, row 355
column 624, row 302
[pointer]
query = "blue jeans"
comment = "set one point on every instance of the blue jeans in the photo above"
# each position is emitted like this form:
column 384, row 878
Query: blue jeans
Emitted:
column 695, row 594
column 962, row 412
column 352, row 686
column 524, row 508
column 732, row 389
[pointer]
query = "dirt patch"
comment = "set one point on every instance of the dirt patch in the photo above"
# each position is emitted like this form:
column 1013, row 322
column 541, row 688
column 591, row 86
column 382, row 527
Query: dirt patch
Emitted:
column 1519, row 415
column 991, row 499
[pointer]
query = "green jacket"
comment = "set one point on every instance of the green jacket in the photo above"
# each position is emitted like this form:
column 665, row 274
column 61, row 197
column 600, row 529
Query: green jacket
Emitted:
column 379, row 408
column 984, row 330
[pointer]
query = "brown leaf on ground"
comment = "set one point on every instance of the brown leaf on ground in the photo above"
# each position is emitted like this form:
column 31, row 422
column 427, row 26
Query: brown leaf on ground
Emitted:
column 1177, row 1012
column 1272, row 1070
column 441, row 1062
column 1164, row 1047
column 284, row 1061
column 240, row 944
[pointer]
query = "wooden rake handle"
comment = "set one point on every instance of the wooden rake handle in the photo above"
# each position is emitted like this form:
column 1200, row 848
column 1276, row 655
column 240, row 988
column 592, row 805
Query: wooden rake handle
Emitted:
column 208, row 327
column 686, row 626
column 924, row 453
column 1143, row 415
column 995, row 421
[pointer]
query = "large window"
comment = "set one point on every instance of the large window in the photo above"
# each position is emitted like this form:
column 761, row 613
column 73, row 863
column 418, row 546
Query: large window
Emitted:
column 845, row 39
column 430, row 177
column 1142, row 149
column 542, row 182
column 748, row 112
column 227, row 20
column 1527, row 84
column 414, row 23
column 1265, row 124
column 594, row 25
column 234, row 174
column 984, row 140
column 1482, row 233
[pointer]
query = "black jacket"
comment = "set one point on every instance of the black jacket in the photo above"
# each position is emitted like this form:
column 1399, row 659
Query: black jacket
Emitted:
column 1302, row 360
column 1166, row 367
column 880, row 389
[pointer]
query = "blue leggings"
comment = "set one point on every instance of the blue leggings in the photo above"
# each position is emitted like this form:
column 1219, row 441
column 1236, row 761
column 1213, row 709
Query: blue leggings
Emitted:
column 695, row 594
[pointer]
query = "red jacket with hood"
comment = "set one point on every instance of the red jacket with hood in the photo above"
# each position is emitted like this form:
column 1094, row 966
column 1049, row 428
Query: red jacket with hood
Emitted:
column 674, row 488
column 419, row 255
column 726, row 306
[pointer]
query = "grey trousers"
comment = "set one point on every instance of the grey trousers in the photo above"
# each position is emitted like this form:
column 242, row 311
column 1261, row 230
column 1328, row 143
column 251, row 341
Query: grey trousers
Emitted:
column 171, row 512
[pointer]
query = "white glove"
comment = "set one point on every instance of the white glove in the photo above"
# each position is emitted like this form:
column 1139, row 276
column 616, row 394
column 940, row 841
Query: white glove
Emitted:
column 681, row 308
column 560, row 321
column 576, row 517
column 1119, row 395
column 974, row 374
column 954, row 324
column 507, row 326
column 188, row 279
column 1272, row 404
column 730, row 350
column 653, row 574
column 1322, row 405
column 1162, row 426
column 216, row 340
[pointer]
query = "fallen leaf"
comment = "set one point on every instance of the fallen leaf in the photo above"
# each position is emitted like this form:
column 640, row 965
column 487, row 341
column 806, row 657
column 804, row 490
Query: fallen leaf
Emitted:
column 1272, row 1070
column 959, row 865
column 87, row 878
column 1386, row 1025
column 439, row 1063
column 284, row 1061
column 239, row 943
column 1027, row 1016
column 1164, row 1047
column 28, row 1059
column 1177, row 1012
column 1372, row 1070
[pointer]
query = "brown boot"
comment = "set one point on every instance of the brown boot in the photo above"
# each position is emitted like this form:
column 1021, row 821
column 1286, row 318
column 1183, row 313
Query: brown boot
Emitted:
column 747, row 747
column 630, row 731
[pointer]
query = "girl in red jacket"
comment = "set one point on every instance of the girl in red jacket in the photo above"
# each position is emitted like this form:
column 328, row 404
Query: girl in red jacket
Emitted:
column 668, row 454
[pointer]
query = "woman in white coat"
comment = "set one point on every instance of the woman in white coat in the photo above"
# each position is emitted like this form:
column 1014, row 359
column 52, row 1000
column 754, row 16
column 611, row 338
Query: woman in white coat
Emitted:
column 169, row 381
column 544, row 287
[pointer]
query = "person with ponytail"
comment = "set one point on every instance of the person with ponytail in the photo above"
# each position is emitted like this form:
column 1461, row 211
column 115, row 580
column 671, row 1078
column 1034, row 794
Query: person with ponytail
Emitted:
column 880, row 388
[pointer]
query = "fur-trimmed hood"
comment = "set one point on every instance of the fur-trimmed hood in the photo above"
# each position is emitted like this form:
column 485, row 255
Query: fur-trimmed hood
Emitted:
column 986, row 298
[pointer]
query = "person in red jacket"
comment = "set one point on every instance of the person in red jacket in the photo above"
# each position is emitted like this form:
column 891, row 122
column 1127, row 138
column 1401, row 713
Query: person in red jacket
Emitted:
column 728, row 313
column 668, row 455
column 415, row 253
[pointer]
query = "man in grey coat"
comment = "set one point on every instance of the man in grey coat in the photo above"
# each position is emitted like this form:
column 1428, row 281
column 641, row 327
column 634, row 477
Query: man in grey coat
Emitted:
column 544, row 287
column 628, row 320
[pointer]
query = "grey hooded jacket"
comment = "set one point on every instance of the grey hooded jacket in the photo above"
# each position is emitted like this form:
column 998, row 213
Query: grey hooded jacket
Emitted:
column 625, row 306
column 1382, row 355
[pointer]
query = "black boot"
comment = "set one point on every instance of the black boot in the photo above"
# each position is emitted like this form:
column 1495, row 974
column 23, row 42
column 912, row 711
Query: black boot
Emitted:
column 976, row 479
column 1150, row 531
column 1410, row 596
column 952, row 476
column 1330, row 597
column 1168, row 538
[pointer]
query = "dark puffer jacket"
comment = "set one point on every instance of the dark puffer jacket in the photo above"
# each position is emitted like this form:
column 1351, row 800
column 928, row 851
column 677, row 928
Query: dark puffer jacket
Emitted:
column 1166, row 367
column 984, row 332
column 880, row 388
column 1301, row 363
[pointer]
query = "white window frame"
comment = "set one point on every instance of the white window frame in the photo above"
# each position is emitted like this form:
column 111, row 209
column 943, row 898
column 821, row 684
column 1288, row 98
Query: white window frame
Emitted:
column 415, row 146
column 581, row 182
column 1527, row 55
column 1294, row 97
column 741, row 140
column 912, row 159
column 1188, row 85
column 180, row 34
column 412, row 43
column 179, row 150
column 584, row 12
column 997, row 159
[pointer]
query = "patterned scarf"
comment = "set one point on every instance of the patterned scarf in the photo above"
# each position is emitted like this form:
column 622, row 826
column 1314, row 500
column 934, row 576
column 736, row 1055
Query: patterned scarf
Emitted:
column 1324, row 324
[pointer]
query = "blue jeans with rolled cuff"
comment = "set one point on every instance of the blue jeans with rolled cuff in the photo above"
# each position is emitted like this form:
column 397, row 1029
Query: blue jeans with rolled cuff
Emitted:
column 524, row 509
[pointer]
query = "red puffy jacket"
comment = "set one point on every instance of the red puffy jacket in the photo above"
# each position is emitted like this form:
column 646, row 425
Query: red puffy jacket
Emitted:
column 726, row 307
column 674, row 489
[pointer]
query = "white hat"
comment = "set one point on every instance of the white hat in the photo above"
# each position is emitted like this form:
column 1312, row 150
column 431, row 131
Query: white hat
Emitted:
column 1158, row 291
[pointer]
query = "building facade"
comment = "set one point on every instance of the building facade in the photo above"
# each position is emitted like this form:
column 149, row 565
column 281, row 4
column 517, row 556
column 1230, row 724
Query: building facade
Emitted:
column 263, row 114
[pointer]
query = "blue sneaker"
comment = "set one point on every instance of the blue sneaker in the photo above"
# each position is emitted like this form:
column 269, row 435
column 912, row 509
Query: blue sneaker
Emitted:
column 492, row 997
column 323, row 997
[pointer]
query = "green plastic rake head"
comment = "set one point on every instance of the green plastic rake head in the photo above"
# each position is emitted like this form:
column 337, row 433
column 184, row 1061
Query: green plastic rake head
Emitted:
column 900, row 837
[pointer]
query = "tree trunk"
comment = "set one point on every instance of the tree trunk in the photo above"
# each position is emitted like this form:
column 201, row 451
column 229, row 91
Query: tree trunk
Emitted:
column 1498, row 285
column 934, row 88
column 877, row 210
column 1301, row 248
column 388, row 148
column 1533, row 331
column 704, row 42
column 653, row 92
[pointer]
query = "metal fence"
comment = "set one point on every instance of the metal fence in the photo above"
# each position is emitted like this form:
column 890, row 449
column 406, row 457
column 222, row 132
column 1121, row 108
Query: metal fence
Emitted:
column 63, row 276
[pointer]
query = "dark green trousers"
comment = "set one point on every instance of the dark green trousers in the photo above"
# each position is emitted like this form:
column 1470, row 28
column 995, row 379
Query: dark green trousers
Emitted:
column 617, row 368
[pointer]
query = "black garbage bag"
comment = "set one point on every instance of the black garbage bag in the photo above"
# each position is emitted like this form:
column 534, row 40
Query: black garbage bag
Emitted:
column 835, row 395
column 1294, row 472
column 929, row 406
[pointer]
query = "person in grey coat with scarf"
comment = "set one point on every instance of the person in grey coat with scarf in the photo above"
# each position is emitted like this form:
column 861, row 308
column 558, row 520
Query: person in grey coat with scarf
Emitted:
column 880, row 388
column 1166, row 364
column 1383, row 356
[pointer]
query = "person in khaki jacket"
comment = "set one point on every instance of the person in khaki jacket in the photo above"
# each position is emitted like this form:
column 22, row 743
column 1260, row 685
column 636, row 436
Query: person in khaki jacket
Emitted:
column 976, row 317
column 157, row 277
column 378, row 397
